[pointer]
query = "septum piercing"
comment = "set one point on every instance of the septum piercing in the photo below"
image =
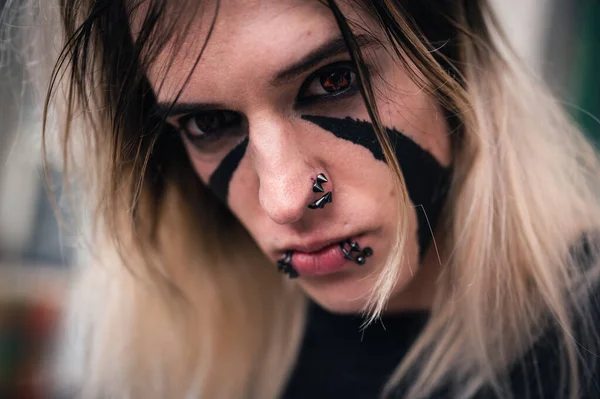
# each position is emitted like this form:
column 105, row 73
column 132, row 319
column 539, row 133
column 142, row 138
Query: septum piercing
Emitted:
column 284, row 265
column 318, row 188
column 354, row 247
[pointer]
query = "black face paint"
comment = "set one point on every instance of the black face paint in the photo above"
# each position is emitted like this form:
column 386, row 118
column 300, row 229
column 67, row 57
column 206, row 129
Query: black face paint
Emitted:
column 426, row 179
column 221, row 177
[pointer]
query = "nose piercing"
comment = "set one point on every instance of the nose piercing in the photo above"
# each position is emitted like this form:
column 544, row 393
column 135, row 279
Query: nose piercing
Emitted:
column 320, row 203
column 318, row 188
column 354, row 247
column 319, row 180
column 285, row 265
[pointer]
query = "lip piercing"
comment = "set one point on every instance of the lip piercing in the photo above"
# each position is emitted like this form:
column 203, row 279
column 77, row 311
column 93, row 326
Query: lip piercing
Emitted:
column 285, row 266
column 318, row 188
column 354, row 247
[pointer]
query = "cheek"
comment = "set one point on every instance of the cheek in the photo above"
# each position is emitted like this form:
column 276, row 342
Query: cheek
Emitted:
column 218, row 173
column 404, row 104
column 232, row 181
column 202, row 169
column 425, row 177
column 243, row 197
column 426, row 123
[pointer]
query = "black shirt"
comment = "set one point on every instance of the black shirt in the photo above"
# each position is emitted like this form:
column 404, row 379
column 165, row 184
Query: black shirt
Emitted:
column 338, row 360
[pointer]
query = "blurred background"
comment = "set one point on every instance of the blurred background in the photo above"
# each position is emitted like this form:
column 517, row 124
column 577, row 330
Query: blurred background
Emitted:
column 559, row 39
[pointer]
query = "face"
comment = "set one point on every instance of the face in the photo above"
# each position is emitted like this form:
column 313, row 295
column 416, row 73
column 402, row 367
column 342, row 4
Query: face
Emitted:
column 273, row 103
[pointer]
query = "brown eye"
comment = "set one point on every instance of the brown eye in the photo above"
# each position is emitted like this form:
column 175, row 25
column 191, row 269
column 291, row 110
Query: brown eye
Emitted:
column 336, row 80
column 329, row 81
column 212, row 132
column 209, row 124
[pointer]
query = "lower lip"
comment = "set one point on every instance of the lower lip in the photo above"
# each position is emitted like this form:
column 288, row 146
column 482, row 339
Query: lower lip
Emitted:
column 329, row 260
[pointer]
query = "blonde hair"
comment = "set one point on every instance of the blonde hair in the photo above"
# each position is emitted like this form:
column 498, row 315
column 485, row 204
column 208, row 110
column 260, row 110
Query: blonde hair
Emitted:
column 165, row 307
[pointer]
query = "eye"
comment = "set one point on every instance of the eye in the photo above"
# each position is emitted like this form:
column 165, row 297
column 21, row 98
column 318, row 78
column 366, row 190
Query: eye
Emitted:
column 332, row 80
column 208, row 124
column 212, row 132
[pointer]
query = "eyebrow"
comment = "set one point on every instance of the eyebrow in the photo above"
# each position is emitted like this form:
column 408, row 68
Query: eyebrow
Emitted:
column 168, row 109
column 332, row 48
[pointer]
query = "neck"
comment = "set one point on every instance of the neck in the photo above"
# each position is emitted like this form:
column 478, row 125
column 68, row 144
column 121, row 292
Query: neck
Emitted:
column 419, row 294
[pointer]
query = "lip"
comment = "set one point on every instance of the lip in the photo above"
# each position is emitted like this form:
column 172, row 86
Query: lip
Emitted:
column 318, row 245
column 321, row 258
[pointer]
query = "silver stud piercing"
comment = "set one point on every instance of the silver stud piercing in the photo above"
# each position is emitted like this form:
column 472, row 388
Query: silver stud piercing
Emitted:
column 285, row 265
column 354, row 247
column 320, row 203
column 318, row 188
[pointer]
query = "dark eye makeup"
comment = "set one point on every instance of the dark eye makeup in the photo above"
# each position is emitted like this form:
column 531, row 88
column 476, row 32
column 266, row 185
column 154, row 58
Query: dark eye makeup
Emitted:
column 210, row 130
column 207, row 124
column 333, row 81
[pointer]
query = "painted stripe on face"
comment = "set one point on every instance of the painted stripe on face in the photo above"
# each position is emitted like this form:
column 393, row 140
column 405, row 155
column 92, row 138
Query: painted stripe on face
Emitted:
column 221, row 178
column 426, row 179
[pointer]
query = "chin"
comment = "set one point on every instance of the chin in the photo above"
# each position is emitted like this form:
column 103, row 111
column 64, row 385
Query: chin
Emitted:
column 338, row 294
column 348, row 293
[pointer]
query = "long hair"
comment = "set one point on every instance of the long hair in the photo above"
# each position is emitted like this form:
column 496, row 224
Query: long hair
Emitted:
column 166, row 307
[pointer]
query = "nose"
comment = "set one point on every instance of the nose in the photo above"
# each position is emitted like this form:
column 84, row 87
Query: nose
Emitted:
column 283, row 166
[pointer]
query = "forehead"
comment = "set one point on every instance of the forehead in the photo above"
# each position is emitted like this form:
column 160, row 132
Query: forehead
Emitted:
column 249, row 40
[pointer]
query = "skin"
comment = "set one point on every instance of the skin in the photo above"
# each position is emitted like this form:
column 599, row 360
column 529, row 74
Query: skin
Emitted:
column 270, row 187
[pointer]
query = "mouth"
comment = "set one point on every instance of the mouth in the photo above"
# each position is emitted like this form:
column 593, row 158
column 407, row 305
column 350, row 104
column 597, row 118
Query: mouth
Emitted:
column 324, row 258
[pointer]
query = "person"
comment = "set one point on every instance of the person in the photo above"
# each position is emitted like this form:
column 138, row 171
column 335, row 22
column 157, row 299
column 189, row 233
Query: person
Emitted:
column 335, row 199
